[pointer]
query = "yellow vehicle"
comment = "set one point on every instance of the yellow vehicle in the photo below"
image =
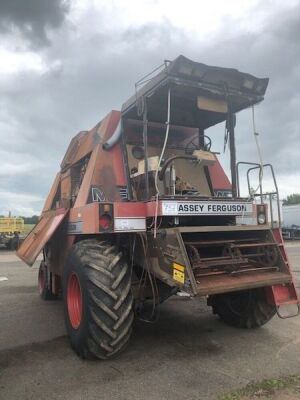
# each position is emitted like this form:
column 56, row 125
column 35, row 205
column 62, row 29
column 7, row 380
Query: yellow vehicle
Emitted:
column 10, row 229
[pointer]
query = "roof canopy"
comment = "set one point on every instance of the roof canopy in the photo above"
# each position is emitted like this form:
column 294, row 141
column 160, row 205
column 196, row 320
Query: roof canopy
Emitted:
column 189, row 81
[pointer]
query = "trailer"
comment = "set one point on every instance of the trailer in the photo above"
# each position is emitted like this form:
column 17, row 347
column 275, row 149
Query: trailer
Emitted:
column 10, row 230
column 291, row 221
column 141, row 209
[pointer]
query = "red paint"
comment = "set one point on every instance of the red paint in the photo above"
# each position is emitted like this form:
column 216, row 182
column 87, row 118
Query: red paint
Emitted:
column 282, row 294
column 74, row 300
column 114, row 156
column 137, row 209
column 40, row 235
column 133, row 209
column 279, row 239
column 218, row 177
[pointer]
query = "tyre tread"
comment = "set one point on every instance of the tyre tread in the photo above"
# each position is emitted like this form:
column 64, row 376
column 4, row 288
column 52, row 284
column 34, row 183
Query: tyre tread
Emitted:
column 258, row 313
column 109, row 298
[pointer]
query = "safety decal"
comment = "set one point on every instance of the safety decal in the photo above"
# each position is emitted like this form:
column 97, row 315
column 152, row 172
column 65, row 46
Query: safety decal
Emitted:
column 178, row 272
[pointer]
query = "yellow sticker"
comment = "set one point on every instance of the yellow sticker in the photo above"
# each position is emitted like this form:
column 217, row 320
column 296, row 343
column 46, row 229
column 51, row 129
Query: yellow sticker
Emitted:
column 178, row 273
column 178, row 266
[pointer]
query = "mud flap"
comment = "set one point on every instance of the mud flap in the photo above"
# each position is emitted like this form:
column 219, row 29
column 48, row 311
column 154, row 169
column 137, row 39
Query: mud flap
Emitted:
column 40, row 235
column 284, row 297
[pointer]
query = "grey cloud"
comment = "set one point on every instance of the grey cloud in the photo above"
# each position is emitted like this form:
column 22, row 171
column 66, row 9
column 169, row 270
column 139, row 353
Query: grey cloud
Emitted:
column 93, row 70
column 32, row 17
column 273, row 51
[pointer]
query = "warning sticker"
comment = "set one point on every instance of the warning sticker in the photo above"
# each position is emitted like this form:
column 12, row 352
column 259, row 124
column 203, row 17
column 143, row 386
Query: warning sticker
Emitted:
column 178, row 272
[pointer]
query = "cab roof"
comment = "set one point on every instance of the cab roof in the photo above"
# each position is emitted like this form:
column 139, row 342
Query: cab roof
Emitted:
column 187, row 81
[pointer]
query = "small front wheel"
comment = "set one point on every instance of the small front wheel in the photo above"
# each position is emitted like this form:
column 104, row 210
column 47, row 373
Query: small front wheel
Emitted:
column 44, row 283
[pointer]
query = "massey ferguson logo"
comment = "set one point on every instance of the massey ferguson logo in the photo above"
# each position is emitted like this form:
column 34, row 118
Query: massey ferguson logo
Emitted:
column 97, row 195
column 199, row 208
column 206, row 208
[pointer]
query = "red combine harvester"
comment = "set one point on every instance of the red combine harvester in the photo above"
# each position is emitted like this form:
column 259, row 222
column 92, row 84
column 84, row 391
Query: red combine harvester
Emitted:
column 141, row 209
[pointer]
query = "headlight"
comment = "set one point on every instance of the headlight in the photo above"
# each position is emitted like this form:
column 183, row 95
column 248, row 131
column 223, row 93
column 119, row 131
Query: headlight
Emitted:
column 261, row 219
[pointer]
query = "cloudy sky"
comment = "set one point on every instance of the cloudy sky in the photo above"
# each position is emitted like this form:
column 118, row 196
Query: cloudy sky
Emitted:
column 65, row 64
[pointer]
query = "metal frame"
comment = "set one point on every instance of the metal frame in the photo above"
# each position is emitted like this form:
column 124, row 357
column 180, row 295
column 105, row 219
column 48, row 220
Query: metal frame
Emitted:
column 232, row 150
column 261, row 194
column 126, row 163
column 145, row 142
column 170, row 75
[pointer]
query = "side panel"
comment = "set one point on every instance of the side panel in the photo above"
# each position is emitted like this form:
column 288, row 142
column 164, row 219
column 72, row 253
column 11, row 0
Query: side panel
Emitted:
column 52, row 193
column 219, row 180
column 83, row 194
column 84, row 220
column 105, row 171
column 39, row 236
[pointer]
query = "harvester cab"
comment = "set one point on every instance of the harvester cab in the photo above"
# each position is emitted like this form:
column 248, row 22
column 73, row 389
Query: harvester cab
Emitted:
column 142, row 209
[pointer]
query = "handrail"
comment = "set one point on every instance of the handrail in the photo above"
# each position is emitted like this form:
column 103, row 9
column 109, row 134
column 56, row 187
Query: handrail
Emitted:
column 261, row 194
column 237, row 174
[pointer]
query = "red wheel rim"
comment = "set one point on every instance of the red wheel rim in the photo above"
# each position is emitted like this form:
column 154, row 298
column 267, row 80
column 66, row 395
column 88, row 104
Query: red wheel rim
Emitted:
column 74, row 300
column 41, row 280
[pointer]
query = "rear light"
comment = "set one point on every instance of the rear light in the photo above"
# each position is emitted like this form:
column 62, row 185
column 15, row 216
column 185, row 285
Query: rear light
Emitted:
column 261, row 212
column 105, row 221
column 261, row 219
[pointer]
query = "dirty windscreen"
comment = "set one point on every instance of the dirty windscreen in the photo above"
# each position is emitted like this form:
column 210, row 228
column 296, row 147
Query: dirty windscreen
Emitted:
column 190, row 176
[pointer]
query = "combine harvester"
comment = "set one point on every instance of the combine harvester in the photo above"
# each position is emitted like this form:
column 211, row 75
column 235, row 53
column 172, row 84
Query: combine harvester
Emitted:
column 141, row 209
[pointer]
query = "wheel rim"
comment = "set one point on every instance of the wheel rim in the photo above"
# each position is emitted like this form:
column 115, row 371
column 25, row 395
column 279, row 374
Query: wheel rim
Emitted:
column 74, row 300
column 41, row 280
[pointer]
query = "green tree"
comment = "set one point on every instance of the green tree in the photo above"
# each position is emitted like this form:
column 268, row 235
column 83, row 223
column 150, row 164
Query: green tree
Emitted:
column 292, row 199
column 34, row 219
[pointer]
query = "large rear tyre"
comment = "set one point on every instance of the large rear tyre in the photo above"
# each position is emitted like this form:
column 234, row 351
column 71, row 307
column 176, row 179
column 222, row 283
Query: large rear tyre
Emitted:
column 244, row 309
column 98, row 301
column 43, row 283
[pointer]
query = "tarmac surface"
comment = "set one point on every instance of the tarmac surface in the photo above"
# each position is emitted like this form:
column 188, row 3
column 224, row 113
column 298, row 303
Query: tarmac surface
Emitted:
column 187, row 354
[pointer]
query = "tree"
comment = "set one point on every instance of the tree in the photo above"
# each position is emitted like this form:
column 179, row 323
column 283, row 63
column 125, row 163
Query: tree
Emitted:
column 34, row 219
column 292, row 199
